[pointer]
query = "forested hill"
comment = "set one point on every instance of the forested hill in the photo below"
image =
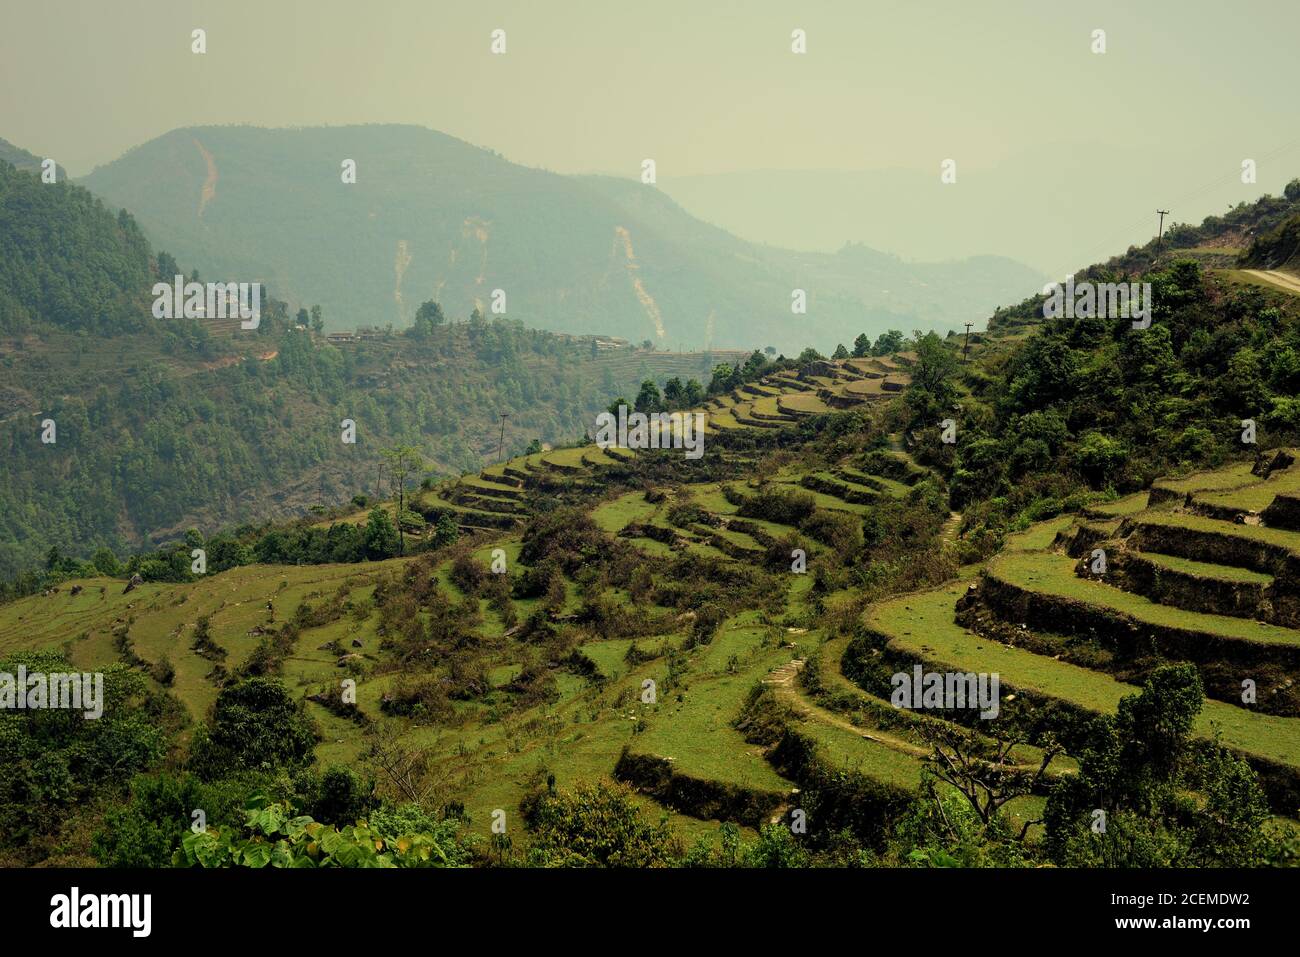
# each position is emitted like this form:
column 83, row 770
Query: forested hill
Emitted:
column 19, row 157
column 160, row 425
column 432, row 217
column 66, row 261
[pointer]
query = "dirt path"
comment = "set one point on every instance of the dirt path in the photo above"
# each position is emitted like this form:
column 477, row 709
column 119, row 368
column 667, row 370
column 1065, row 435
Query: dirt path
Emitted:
column 1277, row 278
column 951, row 526
column 783, row 681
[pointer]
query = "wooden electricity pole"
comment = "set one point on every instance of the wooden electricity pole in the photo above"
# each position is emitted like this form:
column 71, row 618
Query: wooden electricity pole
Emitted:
column 501, row 444
column 966, row 345
column 1160, row 235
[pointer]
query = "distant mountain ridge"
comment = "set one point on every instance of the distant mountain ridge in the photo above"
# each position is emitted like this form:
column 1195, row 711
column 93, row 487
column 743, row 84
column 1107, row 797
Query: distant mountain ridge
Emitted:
column 433, row 217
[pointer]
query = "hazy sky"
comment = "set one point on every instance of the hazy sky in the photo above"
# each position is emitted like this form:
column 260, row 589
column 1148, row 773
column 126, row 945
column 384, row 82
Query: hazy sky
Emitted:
column 703, row 88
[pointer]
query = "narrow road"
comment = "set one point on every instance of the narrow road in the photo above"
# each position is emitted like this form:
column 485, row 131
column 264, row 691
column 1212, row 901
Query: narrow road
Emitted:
column 1277, row 278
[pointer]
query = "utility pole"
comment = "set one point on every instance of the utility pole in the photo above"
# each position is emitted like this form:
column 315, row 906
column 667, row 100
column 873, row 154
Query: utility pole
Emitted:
column 501, row 444
column 966, row 345
column 1160, row 235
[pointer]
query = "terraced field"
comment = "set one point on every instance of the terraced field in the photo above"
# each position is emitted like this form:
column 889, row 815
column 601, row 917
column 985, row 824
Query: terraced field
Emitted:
column 683, row 751
column 496, row 499
column 555, row 688
column 1074, row 612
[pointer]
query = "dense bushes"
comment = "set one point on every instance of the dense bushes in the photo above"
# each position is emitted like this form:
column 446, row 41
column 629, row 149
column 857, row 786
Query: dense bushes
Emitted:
column 255, row 724
column 57, row 763
column 595, row 825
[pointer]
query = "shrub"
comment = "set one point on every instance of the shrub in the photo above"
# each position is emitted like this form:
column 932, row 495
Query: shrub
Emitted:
column 254, row 724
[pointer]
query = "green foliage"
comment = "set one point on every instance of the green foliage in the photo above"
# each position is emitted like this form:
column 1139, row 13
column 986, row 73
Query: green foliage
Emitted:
column 595, row 825
column 775, row 504
column 933, row 389
column 272, row 836
column 60, row 250
column 147, row 831
column 381, row 535
column 255, row 725
column 648, row 399
column 887, row 343
column 427, row 318
column 58, row 760
column 1131, row 803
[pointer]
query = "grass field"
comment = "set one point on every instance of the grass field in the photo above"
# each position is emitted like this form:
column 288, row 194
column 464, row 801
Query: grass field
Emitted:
column 1053, row 574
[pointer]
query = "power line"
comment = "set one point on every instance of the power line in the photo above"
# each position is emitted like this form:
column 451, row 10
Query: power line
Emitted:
column 1184, row 199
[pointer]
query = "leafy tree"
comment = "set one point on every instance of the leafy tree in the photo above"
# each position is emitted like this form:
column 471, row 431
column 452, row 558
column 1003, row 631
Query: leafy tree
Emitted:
column 1130, row 804
column 255, row 724
column 932, row 392
column 648, row 399
column 861, row 346
column 723, row 380
column 887, row 343
column 674, row 392
column 427, row 318
column 106, row 563
column 381, row 539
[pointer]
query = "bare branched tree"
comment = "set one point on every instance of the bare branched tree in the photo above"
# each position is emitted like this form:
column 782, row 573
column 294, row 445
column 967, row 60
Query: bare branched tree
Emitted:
column 402, row 460
column 407, row 769
column 984, row 768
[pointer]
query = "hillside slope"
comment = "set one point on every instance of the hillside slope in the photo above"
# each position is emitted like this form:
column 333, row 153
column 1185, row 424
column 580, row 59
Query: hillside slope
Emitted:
column 22, row 159
column 432, row 217
column 165, row 424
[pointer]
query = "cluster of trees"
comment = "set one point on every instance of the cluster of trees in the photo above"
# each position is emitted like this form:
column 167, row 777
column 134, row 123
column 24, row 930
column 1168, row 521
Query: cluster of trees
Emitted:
column 58, row 763
column 298, row 543
column 66, row 260
column 1148, row 795
column 1090, row 405
column 727, row 377
column 676, row 395
column 886, row 343
column 251, row 773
